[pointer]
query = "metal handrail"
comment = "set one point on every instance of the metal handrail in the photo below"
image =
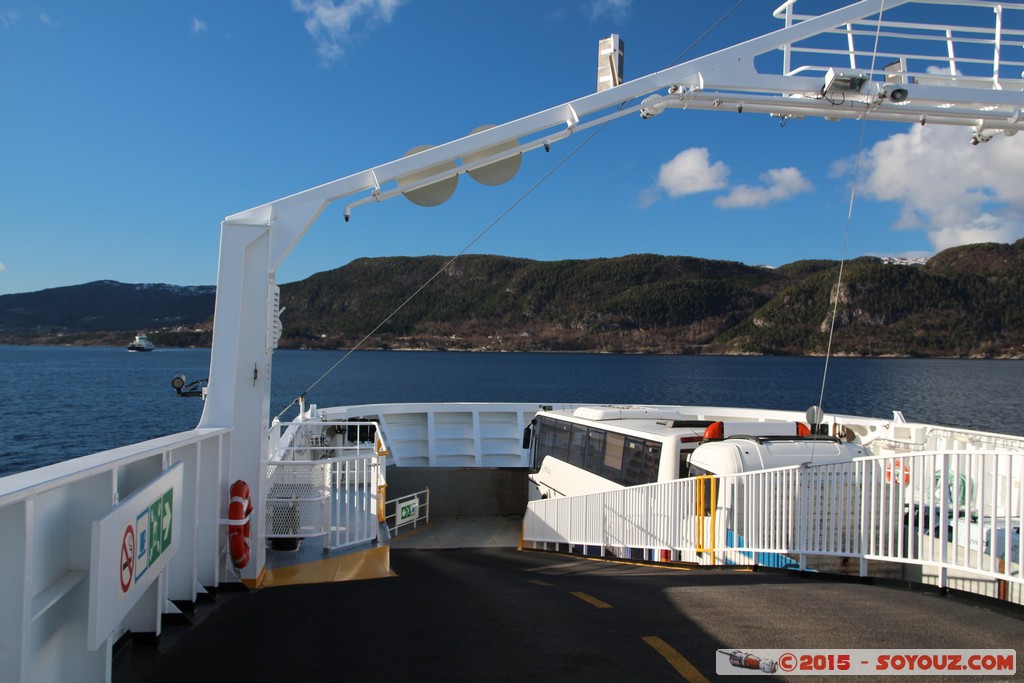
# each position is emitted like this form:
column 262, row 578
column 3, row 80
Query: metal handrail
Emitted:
column 343, row 508
column 954, row 517
column 414, row 516
column 949, row 37
column 705, row 524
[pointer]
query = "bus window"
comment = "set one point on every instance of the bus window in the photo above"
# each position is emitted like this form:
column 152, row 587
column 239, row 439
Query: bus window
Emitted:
column 577, row 446
column 641, row 460
column 612, row 465
column 595, row 450
column 616, row 457
column 652, row 457
column 632, row 462
column 640, row 464
column 552, row 439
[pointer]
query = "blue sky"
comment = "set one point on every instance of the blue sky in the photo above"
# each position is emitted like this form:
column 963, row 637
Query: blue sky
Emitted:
column 129, row 130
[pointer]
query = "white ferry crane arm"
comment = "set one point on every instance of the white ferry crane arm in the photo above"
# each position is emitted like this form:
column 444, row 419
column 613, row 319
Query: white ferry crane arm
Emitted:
column 725, row 80
column 728, row 75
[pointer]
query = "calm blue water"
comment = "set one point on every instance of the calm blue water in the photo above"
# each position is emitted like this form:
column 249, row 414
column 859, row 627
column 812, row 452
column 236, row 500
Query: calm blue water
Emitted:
column 59, row 403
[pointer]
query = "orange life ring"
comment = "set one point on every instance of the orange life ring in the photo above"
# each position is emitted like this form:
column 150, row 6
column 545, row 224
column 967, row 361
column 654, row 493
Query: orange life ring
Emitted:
column 239, row 529
column 895, row 470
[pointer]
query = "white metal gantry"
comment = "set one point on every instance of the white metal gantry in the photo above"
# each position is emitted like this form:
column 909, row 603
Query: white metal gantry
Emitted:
column 868, row 60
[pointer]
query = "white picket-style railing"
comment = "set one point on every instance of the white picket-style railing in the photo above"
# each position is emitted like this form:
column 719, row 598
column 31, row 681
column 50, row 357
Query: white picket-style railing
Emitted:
column 334, row 500
column 325, row 481
column 949, row 519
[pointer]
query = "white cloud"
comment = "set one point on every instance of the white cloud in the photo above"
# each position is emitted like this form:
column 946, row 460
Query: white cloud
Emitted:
column 690, row 172
column 198, row 26
column 957, row 192
column 777, row 184
column 2, row 267
column 648, row 197
column 331, row 24
column 613, row 9
column 10, row 17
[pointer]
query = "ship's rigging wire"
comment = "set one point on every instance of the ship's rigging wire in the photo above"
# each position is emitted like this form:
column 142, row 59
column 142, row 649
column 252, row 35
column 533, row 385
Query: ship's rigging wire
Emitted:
column 849, row 220
column 705, row 34
column 493, row 223
column 448, row 263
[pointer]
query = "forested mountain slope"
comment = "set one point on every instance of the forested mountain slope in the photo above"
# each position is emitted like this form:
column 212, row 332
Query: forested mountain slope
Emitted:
column 964, row 302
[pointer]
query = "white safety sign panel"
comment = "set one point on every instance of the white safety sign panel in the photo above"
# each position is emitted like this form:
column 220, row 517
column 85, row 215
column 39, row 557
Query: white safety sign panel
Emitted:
column 131, row 545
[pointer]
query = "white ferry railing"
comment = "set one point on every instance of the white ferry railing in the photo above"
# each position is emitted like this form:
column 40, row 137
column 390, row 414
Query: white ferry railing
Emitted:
column 951, row 519
column 988, row 51
column 449, row 434
column 47, row 521
column 408, row 510
column 326, row 480
column 333, row 499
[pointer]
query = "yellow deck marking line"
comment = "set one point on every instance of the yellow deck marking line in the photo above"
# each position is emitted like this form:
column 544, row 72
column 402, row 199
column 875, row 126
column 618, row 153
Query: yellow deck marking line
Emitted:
column 678, row 662
column 600, row 604
column 538, row 582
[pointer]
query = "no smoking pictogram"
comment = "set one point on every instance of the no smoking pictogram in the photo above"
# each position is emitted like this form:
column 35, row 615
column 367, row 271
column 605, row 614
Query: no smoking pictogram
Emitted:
column 127, row 558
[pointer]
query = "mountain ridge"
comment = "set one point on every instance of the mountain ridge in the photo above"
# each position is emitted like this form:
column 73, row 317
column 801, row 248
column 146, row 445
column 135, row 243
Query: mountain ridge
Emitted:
column 963, row 302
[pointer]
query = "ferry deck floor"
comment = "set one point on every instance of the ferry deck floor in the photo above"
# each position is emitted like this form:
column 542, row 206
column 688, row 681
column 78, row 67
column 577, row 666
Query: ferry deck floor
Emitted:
column 461, row 603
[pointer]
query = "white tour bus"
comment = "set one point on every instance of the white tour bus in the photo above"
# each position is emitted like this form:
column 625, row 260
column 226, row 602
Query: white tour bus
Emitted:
column 601, row 448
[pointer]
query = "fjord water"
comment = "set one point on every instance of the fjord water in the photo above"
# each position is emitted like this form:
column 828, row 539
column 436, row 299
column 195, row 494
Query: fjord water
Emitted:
column 63, row 402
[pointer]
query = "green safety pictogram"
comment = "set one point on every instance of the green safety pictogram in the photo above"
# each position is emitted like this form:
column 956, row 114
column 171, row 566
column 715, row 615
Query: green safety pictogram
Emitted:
column 161, row 514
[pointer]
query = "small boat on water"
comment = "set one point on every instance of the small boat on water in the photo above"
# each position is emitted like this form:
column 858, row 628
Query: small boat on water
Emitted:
column 141, row 343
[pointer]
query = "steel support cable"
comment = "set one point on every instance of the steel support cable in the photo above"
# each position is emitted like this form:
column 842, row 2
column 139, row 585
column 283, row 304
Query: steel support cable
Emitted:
column 705, row 34
column 493, row 223
column 849, row 220
column 449, row 262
